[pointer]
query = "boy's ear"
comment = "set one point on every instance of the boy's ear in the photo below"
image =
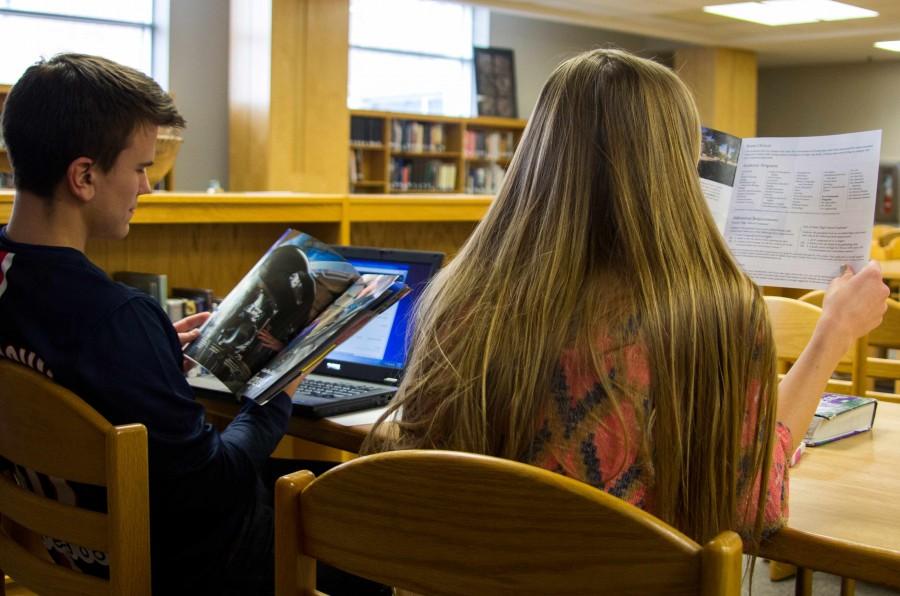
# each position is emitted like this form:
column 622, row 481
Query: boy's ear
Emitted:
column 80, row 178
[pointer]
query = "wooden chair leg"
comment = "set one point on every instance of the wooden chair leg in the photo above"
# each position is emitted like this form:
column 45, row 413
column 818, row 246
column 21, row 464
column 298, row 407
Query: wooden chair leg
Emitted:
column 848, row 586
column 803, row 583
column 780, row 571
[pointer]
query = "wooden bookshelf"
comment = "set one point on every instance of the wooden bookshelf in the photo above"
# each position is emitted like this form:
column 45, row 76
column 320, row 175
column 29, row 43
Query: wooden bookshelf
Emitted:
column 290, row 129
column 211, row 240
column 382, row 144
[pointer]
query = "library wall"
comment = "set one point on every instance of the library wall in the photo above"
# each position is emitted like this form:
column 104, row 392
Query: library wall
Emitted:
column 199, row 73
column 540, row 45
column 198, row 76
column 829, row 99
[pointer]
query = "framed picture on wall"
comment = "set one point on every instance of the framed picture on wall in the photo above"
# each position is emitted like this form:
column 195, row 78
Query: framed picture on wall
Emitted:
column 887, row 210
column 495, row 82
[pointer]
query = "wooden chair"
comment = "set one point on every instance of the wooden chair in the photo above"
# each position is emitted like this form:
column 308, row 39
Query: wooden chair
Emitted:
column 892, row 248
column 887, row 236
column 48, row 429
column 879, row 230
column 793, row 323
column 884, row 337
column 441, row 522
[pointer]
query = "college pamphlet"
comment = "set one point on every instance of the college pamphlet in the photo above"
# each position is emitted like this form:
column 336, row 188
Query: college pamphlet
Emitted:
column 793, row 210
column 297, row 303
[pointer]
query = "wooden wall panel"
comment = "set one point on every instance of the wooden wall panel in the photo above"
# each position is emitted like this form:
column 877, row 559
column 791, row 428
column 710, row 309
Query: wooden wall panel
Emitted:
column 249, row 93
column 736, row 92
column 446, row 237
column 724, row 85
column 290, row 126
column 212, row 256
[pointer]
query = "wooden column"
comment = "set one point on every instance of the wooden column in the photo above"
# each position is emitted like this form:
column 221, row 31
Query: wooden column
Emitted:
column 724, row 85
column 288, row 117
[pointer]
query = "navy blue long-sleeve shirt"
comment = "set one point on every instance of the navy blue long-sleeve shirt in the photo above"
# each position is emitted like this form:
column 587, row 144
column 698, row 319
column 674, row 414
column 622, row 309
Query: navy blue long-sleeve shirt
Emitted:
column 116, row 349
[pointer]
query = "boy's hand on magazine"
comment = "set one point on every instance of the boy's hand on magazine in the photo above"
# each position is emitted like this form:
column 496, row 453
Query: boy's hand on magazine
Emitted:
column 291, row 388
column 855, row 303
column 187, row 328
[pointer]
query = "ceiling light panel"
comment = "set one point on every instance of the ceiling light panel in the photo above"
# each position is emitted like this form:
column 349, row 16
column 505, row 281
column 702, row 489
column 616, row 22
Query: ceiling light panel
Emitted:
column 893, row 46
column 790, row 12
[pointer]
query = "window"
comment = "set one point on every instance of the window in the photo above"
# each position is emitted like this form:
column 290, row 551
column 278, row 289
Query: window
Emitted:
column 121, row 30
column 413, row 55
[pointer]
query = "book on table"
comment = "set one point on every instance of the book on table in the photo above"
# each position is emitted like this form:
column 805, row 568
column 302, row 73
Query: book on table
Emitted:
column 793, row 210
column 839, row 416
column 296, row 304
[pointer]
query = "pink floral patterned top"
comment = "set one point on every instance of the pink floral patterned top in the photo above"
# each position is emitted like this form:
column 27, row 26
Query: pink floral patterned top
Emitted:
column 581, row 436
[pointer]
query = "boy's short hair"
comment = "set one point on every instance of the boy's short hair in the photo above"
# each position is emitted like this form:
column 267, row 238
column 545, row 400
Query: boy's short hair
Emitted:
column 75, row 105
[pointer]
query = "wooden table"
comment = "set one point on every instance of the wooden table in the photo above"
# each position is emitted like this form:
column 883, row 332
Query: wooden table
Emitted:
column 844, row 500
column 845, row 506
column 345, row 432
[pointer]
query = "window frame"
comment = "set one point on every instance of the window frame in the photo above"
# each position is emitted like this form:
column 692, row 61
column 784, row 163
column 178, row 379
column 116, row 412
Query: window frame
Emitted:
column 480, row 33
column 151, row 29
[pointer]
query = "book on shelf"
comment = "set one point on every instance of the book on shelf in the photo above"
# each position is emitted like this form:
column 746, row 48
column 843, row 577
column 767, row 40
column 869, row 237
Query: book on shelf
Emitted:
column 296, row 304
column 356, row 166
column 203, row 299
column 484, row 179
column 422, row 175
column 155, row 285
column 793, row 210
column 417, row 137
column 366, row 131
column 839, row 416
column 480, row 144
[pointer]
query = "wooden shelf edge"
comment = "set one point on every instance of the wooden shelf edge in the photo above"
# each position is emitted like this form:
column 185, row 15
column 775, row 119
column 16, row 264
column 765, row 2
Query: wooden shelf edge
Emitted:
column 417, row 208
column 432, row 154
column 478, row 121
column 237, row 208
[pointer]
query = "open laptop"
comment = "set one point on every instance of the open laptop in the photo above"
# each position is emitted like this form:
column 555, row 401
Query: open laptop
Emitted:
column 364, row 371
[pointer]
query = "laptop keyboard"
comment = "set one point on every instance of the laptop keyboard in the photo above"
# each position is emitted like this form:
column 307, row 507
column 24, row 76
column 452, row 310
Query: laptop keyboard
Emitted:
column 331, row 390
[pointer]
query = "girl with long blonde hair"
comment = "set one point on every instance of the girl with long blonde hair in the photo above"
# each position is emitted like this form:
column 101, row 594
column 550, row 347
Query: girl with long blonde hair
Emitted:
column 595, row 323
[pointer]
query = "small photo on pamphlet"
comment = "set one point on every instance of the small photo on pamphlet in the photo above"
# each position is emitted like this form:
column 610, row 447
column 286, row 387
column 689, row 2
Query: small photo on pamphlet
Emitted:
column 719, row 156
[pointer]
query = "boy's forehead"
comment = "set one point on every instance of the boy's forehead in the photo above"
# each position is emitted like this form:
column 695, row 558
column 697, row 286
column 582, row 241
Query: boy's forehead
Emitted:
column 142, row 132
column 142, row 137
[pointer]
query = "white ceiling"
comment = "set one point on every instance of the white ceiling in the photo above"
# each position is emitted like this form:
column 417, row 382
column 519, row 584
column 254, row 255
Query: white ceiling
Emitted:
column 685, row 21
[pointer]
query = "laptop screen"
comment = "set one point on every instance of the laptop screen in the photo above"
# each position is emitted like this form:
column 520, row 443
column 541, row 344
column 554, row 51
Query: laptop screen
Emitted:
column 378, row 351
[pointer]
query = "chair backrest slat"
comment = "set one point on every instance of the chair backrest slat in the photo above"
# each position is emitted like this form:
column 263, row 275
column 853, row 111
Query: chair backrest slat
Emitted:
column 47, row 517
column 46, row 577
column 453, row 523
column 30, row 415
column 793, row 323
column 886, row 335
